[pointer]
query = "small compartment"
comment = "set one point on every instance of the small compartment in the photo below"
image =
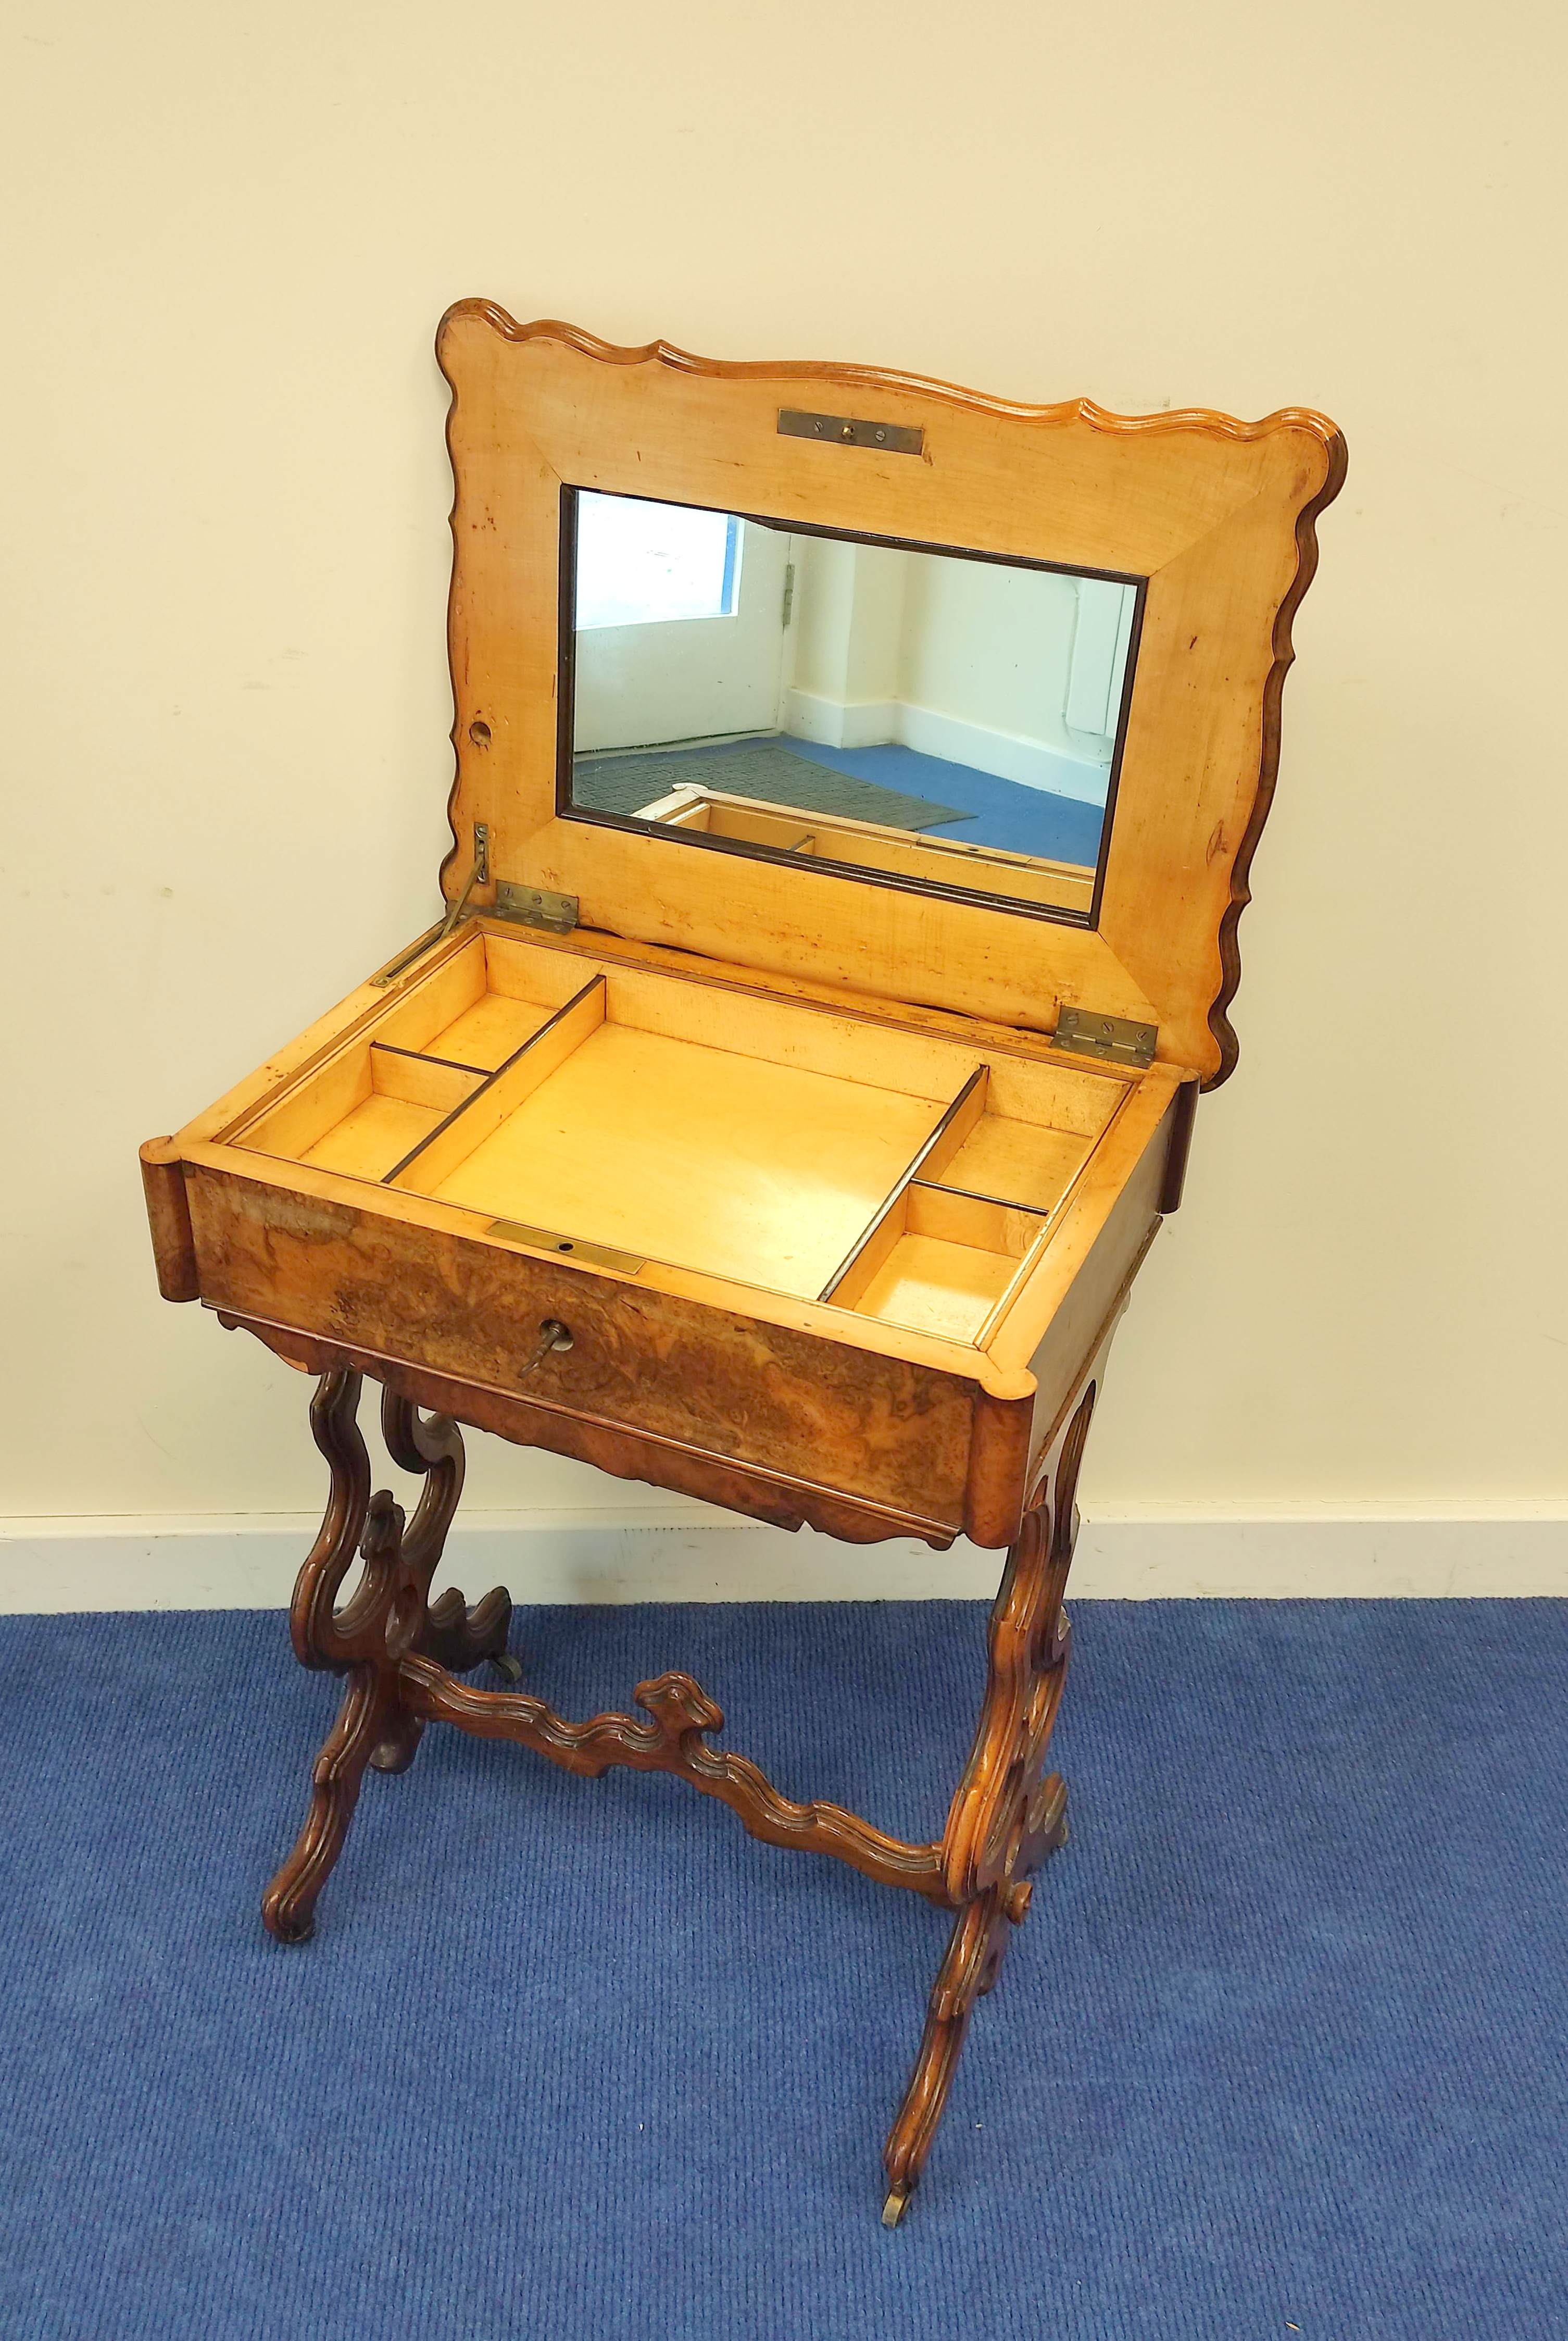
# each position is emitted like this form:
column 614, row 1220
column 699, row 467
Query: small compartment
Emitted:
column 481, row 1007
column 940, row 1262
column 1019, row 1163
column 375, row 1103
column 489, row 1032
column 361, row 1112
column 1039, row 1126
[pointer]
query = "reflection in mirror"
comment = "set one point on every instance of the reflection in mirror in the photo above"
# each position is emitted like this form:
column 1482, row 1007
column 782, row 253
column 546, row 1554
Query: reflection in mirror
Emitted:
column 937, row 717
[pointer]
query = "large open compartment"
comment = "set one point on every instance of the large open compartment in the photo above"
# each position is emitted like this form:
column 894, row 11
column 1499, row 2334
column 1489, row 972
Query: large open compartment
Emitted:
column 631, row 1118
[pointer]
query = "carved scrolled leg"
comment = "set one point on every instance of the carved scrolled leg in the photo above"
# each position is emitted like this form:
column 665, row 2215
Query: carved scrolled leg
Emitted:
column 289, row 1901
column 451, row 1633
column 968, row 1969
column 455, row 1636
column 288, row 1906
column 459, row 1637
column 1008, row 1814
column 387, row 1618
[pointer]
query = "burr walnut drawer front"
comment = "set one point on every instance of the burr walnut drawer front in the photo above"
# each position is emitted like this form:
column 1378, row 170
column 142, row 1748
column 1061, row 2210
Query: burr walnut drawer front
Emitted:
column 879, row 1428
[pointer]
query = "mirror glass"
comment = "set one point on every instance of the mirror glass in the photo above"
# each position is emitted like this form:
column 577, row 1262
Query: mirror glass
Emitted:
column 940, row 718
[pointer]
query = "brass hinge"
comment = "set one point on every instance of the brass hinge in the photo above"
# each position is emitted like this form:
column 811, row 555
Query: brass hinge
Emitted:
column 1117, row 1038
column 535, row 906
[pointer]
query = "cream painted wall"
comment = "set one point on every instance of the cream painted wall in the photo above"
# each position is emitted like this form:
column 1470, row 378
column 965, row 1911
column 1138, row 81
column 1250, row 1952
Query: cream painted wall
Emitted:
column 231, row 234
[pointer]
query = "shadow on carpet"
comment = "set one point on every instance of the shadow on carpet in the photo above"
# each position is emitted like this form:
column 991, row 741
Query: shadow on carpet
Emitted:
column 1283, row 2044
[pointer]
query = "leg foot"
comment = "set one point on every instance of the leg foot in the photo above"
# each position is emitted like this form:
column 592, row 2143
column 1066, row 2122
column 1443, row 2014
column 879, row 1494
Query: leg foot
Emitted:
column 968, row 1969
column 288, row 1906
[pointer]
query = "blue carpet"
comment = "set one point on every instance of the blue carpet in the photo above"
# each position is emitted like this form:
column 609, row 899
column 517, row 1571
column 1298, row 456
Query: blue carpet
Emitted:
column 1281, row 2048
column 998, row 812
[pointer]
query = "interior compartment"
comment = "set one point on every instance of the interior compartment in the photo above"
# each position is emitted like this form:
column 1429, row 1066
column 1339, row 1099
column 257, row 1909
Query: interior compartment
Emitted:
column 481, row 1007
column 943, row 1261
column 362, row 1111
column 651, row 1118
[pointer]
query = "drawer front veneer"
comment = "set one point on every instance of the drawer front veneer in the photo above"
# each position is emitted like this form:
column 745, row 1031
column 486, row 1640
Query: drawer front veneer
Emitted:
column 879, row 1428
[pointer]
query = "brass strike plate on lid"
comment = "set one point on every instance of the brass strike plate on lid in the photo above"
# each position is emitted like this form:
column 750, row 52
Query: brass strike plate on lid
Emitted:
column 535, row 906
column 849, row 431
column 591, row 1255
column 1117, row 1038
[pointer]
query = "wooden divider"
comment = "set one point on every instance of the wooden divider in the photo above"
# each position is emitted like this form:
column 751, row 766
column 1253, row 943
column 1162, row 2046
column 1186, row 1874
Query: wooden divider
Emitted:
column 983, row 1221
column 418, row 1079
column 943, row 1143
column 481, row 1115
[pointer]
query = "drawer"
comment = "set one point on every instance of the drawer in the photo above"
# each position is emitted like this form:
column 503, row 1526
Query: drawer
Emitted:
column 881, row 1430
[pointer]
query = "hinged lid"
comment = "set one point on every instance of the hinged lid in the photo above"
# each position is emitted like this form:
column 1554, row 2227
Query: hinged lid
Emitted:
column 1210, row 518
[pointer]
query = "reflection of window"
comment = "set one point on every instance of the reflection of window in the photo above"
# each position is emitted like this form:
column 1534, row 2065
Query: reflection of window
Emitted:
column 638, row 564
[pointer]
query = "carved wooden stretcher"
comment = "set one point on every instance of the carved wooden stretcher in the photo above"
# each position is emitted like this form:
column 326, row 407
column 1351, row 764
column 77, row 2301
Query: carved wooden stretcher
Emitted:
column 789, row 1187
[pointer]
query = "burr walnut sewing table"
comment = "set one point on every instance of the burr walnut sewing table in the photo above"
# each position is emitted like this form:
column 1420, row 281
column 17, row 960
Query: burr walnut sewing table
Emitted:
column 790, row 1149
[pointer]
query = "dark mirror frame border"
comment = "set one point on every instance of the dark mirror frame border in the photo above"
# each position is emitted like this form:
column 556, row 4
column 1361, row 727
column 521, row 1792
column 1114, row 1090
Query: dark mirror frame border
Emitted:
column 566, row 691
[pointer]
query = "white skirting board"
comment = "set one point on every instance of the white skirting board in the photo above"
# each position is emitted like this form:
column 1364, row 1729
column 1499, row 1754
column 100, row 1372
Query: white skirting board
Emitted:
column 248, row 1561
column 877, row 723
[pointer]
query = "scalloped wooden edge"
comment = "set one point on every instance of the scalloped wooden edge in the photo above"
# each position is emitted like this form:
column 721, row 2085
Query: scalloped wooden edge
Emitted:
column 951, row 393
column 1219, row 1022
column 1208, row 420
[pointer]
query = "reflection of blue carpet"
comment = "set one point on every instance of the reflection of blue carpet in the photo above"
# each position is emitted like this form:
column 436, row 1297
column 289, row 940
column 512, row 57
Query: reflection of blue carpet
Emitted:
column 1283, row 2044
column 995, row 813
column 769, row 769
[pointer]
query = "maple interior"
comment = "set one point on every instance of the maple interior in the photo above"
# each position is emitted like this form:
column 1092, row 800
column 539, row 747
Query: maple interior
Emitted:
column 765, row 1141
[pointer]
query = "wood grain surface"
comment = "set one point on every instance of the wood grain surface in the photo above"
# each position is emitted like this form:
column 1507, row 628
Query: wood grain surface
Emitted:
column 876, row 1428
column 1219, row 516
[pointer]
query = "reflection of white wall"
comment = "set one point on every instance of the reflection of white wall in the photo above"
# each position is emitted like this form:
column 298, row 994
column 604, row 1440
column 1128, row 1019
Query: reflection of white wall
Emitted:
column 849, row 628
column 1013, row 672
column 992, row 647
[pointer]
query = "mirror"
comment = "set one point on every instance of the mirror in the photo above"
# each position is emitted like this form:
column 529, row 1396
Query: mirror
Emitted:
column 925, row 717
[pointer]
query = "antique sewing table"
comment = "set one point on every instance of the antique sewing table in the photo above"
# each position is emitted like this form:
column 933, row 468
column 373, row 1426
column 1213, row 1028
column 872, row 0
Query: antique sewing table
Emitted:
column 790, row 1149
